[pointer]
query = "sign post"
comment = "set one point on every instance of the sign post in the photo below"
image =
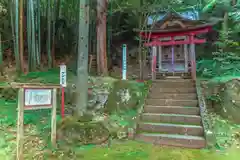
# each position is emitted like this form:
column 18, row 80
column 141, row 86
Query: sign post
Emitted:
column 124, row 62
column 35, row 97
column 20, row 132
column 63, row 83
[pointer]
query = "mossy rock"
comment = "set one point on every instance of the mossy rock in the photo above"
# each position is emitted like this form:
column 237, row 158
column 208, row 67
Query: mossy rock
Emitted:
column 226, row 98
column 82, row 131
column 125, row 95
column 230, row 100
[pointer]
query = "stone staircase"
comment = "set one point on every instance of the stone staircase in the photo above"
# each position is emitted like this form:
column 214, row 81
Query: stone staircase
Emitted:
column 171, row 115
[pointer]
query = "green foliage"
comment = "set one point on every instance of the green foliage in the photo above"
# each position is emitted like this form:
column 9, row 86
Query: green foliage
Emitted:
column 226, row 60
column 209, row 6
column 215, row 98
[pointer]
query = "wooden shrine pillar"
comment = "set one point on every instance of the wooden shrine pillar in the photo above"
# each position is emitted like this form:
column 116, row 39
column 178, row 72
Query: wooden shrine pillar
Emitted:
column 154, row 60
column 172, row 53
column 186, row 57
column 193, row 58
column 159, row 58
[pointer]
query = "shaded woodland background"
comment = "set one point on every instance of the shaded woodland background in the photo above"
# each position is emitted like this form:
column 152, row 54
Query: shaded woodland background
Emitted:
column 50, row 31
column 42, row 34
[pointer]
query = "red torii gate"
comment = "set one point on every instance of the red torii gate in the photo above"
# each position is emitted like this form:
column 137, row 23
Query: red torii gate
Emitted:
column 175, row 30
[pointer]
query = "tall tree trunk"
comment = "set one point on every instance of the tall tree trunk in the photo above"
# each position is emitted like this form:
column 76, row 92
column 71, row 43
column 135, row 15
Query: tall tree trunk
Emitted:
column 1, row 57
column 29, row 32
column 101, row 35
column 82, row 69
column 21, row 44
column 33, row 35
column 225, row 21
column 225, row 24
column 49, row 34
column 53, row 32
column 38, row 26
column 141, row 76
column 17, row 59
column 58, row 6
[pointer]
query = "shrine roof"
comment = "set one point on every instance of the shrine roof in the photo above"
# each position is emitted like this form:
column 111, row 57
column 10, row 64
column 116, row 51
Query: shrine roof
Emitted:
column 188, row 14
column 176, row 22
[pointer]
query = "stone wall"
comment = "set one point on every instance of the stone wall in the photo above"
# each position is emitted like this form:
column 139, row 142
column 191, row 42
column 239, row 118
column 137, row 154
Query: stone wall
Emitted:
column 224, row 98
column 206, row 121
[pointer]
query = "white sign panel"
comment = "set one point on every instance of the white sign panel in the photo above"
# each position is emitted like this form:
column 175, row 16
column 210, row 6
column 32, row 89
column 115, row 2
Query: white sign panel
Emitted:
column 38, row 97
column 124, row 62
column 63, row 75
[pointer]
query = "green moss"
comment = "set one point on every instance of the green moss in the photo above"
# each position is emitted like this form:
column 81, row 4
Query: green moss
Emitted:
column 115, row 104
column 141, row 151
column 78, row 131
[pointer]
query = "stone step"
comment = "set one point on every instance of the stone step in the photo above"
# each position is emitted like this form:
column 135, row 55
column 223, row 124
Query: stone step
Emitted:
column 174, row 74
column 161, row 77
column 188, row 96
column 173, row 85
column 172, row 110
column 172, row 140
column 171, row 118
column 157, row 90
column 173, row 80
column 172, row 102
column 169, row 128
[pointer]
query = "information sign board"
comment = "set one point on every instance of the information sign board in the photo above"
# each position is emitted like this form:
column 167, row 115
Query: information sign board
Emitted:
column 37, row 97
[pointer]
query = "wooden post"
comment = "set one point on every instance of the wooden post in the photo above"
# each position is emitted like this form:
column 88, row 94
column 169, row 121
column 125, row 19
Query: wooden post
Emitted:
column 154, row 59
column 193, row 58
column 26, row 101
column 173, row 64
column 140, row 58
column 20, row 129
column 54, row 118
column 186, row 57
column 172, row 51
column 160, row 58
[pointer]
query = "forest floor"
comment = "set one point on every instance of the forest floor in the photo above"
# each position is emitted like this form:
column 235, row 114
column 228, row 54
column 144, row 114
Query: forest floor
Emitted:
column 37, row 131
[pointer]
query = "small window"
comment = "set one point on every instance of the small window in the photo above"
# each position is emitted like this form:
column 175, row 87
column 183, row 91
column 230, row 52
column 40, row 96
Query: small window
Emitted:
column 166, row 56
column 178, row 55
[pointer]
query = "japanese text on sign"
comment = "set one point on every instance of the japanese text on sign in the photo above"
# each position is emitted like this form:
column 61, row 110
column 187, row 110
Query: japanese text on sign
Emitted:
column 124, row 62
column 37, row 97
column 63, row 75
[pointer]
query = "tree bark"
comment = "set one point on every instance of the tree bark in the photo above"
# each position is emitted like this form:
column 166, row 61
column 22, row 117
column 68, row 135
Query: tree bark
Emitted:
column 58, row 6
column 225, row 20
column 141, row 76
column 101, row 36
column 21, row 44
column 82, row 70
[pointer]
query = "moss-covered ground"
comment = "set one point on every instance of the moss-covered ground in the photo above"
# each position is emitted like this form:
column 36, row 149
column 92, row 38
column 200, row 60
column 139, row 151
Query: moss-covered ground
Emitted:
column 37, row 130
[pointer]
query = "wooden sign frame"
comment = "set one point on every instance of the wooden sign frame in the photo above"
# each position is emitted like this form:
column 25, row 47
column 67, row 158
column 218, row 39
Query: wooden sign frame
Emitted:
column 22, row 107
